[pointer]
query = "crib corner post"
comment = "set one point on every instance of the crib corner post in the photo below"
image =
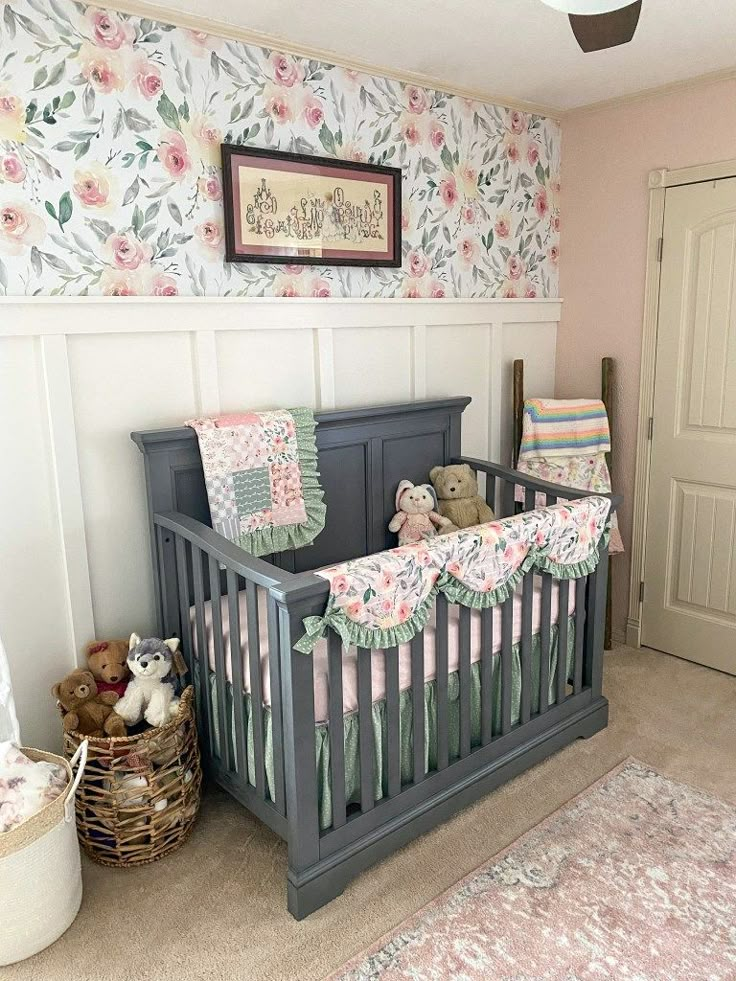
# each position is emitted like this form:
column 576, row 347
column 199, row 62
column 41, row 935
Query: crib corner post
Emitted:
column 596, row 625
column 300, row 771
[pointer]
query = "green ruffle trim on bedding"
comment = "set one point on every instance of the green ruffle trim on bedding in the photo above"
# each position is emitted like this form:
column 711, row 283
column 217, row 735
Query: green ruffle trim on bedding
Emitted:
column 279, row 538
column 355, row 634
column 351, row 725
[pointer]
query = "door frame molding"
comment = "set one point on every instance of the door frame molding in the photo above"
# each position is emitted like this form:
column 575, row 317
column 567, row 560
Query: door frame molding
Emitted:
column 659, row 181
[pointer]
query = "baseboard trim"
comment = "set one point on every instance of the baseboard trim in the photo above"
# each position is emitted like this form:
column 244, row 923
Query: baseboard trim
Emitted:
column 633, row 633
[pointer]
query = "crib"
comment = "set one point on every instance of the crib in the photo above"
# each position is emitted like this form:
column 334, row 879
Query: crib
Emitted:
column 348, row 755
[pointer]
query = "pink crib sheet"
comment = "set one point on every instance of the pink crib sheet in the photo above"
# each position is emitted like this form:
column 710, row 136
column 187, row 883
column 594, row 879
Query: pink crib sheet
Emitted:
column 350, row 660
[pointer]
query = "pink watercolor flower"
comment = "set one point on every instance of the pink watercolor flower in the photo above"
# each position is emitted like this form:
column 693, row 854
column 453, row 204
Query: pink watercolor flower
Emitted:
column 12, row 169
column 208, row 137
column 418, row 263
column 530, row 292
column 437, row 290
column 278, row 106
column 516, row 267
column 405, row 218
column 403, row 612
column 412, row 292
column 286, row 70
column 469, row 180
column 467, row 249
column 108, row 30
column 468, row 213
column 437, row 136
column 127, row 252
column 386, row 606
column 541, row 205
column 502, row 226
column 174, row 154
column 448, row 191
column 410, row 133
column 293, row 270
column 511, row 149
column 532, row 154
column 454, row 568
column 553, row 254
column 102, row 69
column 354, row 609
column 517, row 122
column 201, row 43
column 351, row 151
column 12, row 117
column 340, row 584
column 117, row 282
column 555, row 223
column 387, row 580
column 91, row 186
column 286, row 286
column 321, row 288
column 508, row 291
column 163, row 285
column 314, row 114
column 210, row 187
column 147, row 77
column 210, row 236
column 416, row 99
column 20, row 228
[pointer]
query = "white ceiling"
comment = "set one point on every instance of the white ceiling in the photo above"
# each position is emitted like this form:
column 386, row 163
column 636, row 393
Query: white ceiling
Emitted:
column 518, row 49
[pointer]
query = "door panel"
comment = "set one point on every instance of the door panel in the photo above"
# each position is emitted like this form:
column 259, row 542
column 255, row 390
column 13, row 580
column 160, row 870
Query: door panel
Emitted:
column 689, row 604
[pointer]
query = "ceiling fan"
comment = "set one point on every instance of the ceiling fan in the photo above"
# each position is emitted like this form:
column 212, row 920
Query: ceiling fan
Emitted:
column 599, row 24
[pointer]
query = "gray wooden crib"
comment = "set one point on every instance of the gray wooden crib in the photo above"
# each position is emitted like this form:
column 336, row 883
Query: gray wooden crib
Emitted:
column 506, row 687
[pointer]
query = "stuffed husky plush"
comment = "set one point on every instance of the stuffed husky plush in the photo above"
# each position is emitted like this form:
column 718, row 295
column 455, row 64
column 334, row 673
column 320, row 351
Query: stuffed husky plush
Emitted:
column 148, row 695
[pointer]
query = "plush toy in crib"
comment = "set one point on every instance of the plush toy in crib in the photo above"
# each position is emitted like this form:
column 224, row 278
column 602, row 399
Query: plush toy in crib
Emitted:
column 416, row 515
column 108, row 662
column 457, row 490
column 85, row 710
column 149, row 694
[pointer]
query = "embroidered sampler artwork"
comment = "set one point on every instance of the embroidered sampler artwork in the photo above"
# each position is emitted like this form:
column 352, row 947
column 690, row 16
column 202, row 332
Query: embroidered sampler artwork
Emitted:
column 260, row 476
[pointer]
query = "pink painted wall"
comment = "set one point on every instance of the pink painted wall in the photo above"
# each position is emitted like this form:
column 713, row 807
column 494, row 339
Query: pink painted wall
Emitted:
column 607, row 155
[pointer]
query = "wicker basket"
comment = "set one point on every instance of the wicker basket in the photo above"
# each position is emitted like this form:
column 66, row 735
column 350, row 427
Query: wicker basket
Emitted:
column 140, row 794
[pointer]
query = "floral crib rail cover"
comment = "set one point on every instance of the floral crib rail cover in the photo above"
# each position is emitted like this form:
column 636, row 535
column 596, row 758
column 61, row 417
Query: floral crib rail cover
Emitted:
column 384, row 600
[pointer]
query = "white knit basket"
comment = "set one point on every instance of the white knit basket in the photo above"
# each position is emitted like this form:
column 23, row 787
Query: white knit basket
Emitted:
column 40, row 873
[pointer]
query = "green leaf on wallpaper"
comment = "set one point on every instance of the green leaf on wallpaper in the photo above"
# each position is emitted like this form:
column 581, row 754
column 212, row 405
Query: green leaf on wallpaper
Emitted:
column 9, row 22
column 88, row 100
column 184, row 107
column 142, row 145
column 132, row 192
column 539, row 171
column 254, row 131
column 136, row 122
column 65, row 208
column 3, row 275
column 36, row 259
column 39, row 78
column 167, row 111
column 137, row 219
column 446, row 158
column 327, row 139
column 174, row 212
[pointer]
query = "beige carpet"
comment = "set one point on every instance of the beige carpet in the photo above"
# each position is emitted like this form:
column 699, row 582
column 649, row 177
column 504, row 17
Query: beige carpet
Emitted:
column 217, row 909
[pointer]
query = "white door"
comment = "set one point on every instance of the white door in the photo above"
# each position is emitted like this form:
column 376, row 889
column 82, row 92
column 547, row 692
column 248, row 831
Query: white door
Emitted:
column 689, row 606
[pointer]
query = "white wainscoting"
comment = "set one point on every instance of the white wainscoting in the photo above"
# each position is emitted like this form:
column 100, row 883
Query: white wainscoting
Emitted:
column 77, row 375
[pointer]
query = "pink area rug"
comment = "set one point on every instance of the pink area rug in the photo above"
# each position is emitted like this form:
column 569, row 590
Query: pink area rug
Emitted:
column 635, row 878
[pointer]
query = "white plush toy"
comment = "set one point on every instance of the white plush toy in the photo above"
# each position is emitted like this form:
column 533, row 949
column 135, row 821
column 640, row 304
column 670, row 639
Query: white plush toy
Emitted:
column 148, row 696
column 416, row 517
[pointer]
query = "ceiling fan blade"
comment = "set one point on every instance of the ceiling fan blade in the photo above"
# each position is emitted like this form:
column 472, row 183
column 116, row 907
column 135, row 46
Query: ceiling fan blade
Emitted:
column 597, row 31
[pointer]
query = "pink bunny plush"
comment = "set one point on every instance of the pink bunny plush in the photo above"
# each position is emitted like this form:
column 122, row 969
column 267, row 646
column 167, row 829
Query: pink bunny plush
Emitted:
column 416, row 515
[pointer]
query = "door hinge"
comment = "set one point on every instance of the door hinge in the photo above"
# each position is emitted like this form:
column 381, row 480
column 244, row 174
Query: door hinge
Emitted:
column 660, row 246
column 641, row 591
column 650, row 428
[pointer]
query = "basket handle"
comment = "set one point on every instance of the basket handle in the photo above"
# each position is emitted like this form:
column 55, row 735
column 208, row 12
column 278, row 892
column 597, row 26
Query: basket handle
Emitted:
column 80, row 758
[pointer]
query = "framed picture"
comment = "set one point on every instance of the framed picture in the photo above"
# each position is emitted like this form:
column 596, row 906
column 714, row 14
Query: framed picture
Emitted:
column 295, row 208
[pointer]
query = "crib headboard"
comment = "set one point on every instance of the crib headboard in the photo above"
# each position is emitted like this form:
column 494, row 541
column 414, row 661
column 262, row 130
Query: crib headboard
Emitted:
column 363, row 454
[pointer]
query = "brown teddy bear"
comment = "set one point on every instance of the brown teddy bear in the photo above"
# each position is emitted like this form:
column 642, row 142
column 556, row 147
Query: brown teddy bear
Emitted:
column 458, row 497
column 85, row 710
column 108, row 662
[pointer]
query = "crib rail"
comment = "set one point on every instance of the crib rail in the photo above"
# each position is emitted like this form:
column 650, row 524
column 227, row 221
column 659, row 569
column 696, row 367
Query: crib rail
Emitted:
column 206, row 582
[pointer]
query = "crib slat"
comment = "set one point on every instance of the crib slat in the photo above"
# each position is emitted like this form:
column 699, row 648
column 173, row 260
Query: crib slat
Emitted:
column 464, row 672
column 236, row 663
column 277, row 732
column 491, row 492
column 530, row 499
column 527, row 597
column 417, row 699
column 365, row 727
column 563, row 597
column 507, row 630
column 202, row 651
column 550, row 500
column 182, row 583
column 486, row 676
column 393, row 720
column 441, row 672
column 507, row 498
column 580, row 590
column 545, row 622
column 337, row 735
column 256, row 683
column 220, row 676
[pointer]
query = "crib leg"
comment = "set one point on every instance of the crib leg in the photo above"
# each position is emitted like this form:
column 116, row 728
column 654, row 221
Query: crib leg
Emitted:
column 310, row 896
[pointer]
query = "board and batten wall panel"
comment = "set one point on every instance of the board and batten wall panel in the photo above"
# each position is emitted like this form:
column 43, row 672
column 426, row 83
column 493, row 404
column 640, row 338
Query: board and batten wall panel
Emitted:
column 77, row 375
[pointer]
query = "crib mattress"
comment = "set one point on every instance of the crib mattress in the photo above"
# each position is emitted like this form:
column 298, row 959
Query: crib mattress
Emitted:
column 350, row 661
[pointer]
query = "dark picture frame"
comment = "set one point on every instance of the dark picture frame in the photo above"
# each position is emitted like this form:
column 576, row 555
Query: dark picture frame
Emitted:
column 382, row 214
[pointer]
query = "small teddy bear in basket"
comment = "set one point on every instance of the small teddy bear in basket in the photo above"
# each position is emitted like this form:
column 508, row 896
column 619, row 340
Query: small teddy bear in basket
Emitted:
column 416, row 517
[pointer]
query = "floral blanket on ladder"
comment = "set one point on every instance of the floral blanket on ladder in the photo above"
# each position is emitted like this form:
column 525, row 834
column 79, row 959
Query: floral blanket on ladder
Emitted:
column 384, row 600
column 260, row 471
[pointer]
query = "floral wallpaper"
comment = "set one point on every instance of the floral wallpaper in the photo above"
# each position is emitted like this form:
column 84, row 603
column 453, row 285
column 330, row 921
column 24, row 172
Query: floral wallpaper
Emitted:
column 110, row 133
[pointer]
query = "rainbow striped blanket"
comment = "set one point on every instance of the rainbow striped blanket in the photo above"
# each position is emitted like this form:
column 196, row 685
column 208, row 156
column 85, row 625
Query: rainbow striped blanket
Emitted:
column 564, row 427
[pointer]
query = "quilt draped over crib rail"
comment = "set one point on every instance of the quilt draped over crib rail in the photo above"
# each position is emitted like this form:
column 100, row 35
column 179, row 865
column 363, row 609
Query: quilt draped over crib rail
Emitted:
column 260, row 471
column 385, row 599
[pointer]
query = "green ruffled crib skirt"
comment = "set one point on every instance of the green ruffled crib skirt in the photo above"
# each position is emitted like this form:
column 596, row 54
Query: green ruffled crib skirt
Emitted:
column 380, row 765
